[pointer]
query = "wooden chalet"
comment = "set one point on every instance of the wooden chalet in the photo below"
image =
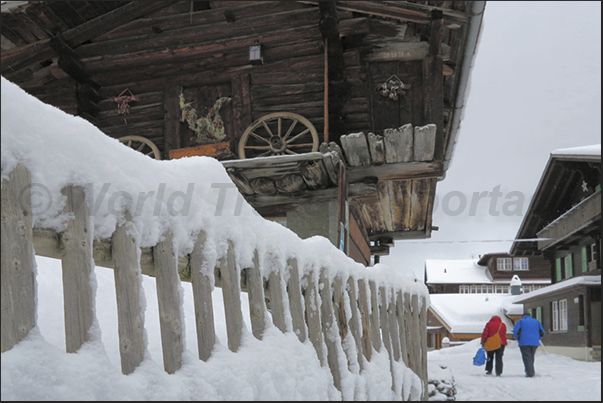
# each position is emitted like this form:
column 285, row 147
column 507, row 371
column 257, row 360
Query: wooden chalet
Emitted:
column 336, row 117
column 565, row 216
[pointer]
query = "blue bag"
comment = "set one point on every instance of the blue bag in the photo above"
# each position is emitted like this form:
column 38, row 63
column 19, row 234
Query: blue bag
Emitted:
column 480, row 357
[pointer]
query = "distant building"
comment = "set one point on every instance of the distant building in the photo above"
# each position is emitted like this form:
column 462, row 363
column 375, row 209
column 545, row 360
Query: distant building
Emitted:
column 491, row 274
column 565, row 214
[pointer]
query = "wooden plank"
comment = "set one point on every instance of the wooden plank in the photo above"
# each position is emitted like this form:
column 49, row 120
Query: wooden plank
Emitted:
column 415, row 363
column 394, row 332
column 356, row 149
column 313, row 316
column 398, row 171
column 17, row 277
column 329, row 327
column 257, row 306
column 404, row 342
column 277, row 306
column 365, row 319
column 407, row 326
column 384, row 320
column 76, row 242
column 341, row 318
column 398, row 144
column 231, row 291
column 376, row 148
column 355, row 325
column 170, row 309
column 130, row 318
column 215, row 150
column 295, row 300
column 424, row 373
column 201, row 279
column 424, row 143
column 171, row 120
column 374, row 316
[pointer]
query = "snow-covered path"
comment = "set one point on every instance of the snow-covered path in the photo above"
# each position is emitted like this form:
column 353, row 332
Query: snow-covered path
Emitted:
column 557, row 377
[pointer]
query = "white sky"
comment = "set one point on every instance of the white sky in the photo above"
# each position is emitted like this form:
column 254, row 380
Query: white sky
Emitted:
column 535, row 87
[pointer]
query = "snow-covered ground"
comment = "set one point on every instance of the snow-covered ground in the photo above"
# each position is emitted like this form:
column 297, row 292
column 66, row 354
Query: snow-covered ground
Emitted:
column 277, row 368
column 557, row 377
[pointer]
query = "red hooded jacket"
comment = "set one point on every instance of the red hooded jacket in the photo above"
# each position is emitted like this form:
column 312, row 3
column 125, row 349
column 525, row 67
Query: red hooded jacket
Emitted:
column 492, row 327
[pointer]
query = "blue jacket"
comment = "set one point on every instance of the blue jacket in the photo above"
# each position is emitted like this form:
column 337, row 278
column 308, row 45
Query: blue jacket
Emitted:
column 528, row 331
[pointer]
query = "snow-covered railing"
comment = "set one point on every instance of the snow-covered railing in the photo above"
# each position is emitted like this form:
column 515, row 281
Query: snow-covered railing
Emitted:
column 72, row 193
column 338, row 313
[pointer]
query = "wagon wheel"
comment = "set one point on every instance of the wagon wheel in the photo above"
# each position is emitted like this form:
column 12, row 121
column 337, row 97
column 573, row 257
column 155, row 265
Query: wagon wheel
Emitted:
column 278, row 133
column 144, row 145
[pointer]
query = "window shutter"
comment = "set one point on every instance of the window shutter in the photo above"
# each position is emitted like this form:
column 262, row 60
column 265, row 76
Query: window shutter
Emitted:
column 539, row 314
column 570, row 268
column 558, row 267
column 584, row 259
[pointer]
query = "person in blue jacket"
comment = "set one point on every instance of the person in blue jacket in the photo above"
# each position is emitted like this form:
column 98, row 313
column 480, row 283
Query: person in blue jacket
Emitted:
column 528, row 332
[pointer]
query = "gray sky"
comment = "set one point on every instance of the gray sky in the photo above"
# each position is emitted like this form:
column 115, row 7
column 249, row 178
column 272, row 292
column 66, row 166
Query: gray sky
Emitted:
column 535, row 87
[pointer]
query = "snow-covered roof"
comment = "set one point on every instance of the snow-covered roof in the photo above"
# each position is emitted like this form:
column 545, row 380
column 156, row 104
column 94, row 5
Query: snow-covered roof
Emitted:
column 572, row 282
column 594, row 149
column 456, row 272
column 469, row 313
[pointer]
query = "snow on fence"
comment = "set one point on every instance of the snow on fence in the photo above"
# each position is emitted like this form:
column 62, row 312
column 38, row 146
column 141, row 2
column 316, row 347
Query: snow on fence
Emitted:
column 340, row 314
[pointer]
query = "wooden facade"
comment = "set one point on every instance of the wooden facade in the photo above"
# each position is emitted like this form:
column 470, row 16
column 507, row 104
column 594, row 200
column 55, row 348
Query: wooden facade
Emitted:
column 565, row 216
column 381, row 83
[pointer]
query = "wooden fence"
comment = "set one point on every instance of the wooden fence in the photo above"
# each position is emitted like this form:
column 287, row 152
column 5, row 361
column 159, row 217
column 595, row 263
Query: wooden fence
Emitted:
column 376, row 314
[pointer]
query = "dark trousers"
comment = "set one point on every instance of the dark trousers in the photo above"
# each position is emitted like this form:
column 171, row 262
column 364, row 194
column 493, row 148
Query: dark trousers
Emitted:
column 527, row 355
column 498, row 355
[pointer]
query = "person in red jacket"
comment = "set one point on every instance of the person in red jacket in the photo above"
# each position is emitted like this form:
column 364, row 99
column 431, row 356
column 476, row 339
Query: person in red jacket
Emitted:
column 492, row 327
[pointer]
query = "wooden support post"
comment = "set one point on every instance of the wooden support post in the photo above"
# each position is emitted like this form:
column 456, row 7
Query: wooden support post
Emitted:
column 329, row 327
column 231, row 291
column 257, row 305
column 365, row 319
column 295, row 300
column 313, row 316
column 17, row 277
column 76, row 242
column 168, row 296
column 201, row 276
column 355, row 321
column 277, row 306
column 124, row 249
column 375, row 322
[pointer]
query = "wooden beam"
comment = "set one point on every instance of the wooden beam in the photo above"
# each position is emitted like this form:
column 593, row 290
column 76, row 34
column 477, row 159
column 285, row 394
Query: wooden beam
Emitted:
column 401, row 10
column 397, row 171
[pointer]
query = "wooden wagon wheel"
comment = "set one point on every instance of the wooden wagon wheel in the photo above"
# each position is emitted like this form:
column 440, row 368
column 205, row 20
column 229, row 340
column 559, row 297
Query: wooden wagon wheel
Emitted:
column 278, row 133
column 144, row 145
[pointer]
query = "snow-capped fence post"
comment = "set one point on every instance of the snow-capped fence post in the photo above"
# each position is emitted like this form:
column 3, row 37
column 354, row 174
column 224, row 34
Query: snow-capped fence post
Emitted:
column 277, row 305
column 375, row 323
column 201, row 281
column 329, row 327
column 255, row 290
column 400, row 312
column 231, row 291
column 415, row 334
column 365, row 320
column 407, row 325
column 76, row 244
column 355, row 320
column 393, row 325
column 128, row 278
column 340, row 316
column 385, row 330
column 17, row 277
column 295, row 300
column 170, row 309
column 313, row 315
column 424, row 373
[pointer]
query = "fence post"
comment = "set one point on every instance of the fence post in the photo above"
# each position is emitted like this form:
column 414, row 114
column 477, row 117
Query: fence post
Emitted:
column 257, row 305
column 313, row 316
column 124, row 250
column 231, row 291
column 385, row 330
column 17, row 276
column 341, row 317
column 401, row 327
column 393, row 325
column 277, row 304
column 329, row 327
column 415, row 334
column 168, row 296
column 295, row 301
column 76, row 242
column 201, row 277
column 367, row 347
column 375, row 323
column 423, row 335
column 355, row 320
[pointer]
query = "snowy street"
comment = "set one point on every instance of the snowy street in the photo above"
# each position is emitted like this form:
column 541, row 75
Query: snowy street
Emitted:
column 557, row 377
